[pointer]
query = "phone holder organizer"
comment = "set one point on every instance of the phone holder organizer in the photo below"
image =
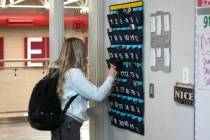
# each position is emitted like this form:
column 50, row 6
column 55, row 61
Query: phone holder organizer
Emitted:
column 125, row 52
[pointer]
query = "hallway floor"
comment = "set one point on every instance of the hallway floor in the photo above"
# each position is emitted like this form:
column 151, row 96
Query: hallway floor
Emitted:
column 22, row 131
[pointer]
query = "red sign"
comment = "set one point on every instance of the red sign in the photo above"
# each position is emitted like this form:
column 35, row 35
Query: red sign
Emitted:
column 36, row 48
column 203, row 3
column 1, row 51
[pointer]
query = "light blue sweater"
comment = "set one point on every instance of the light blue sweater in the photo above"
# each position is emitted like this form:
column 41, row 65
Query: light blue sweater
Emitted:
column 77, row 83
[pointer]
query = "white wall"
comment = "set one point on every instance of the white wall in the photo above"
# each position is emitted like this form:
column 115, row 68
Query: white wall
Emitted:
column 164, row 119
column 202, row 113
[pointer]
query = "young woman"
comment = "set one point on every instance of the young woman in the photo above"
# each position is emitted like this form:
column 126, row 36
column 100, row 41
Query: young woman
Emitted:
column 72, row 81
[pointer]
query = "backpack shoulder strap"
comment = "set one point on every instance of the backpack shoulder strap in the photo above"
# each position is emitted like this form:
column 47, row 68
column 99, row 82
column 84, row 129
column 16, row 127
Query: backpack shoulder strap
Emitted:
column 69, row 102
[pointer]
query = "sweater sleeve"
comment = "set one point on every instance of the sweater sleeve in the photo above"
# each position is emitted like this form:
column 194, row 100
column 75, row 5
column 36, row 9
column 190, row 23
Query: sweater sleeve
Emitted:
column 88, row 90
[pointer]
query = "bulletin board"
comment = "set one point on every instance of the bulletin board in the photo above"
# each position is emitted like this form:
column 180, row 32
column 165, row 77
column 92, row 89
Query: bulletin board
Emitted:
column 203, row 51
column 125, row 33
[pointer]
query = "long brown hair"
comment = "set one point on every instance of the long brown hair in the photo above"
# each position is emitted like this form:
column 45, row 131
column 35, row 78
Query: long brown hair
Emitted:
column 73, row 55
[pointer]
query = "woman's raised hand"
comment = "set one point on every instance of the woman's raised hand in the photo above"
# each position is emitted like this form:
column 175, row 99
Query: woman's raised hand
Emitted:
column 112, row 71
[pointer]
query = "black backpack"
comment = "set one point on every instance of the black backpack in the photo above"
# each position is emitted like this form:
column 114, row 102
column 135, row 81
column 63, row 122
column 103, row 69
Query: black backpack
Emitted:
column 44, row 111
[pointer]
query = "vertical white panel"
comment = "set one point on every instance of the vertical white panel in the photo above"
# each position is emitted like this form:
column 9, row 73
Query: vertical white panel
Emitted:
column 202, row 76
column 97, row 63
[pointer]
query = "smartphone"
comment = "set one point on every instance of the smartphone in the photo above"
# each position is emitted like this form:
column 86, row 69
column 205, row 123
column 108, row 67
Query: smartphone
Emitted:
column 115, row 62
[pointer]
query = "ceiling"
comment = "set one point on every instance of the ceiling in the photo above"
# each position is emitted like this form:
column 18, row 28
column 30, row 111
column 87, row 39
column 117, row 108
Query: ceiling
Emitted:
column 70, row 4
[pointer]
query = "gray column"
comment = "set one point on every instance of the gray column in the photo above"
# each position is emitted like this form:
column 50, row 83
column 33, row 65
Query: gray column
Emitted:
column 56, row 27
column 97, row 61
